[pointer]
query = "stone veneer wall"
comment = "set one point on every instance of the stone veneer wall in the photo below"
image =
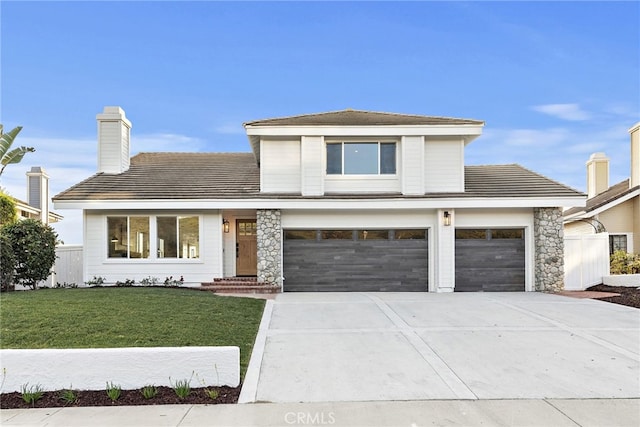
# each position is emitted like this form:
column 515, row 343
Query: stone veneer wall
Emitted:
column 269, row 246
column 549, row 247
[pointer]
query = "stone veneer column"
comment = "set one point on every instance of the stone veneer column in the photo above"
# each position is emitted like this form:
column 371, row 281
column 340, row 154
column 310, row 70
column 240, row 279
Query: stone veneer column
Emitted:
column 549, row 249
column 269, row 246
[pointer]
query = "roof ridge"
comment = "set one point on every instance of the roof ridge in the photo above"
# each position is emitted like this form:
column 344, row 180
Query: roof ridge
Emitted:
column 296, row 116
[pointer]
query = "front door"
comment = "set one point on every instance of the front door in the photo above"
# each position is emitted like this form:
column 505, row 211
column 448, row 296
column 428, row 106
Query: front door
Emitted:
column 246, row 247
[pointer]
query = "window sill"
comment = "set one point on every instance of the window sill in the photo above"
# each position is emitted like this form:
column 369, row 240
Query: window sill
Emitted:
column 361, row 177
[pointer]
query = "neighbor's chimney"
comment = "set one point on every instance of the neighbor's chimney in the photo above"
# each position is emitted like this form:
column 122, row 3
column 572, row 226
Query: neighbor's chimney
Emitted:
column 635, row 155
column 597, row 174
column 113, row 140
column 38, row 191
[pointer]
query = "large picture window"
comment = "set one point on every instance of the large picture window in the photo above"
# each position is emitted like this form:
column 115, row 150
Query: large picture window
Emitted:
column 361, row 158
column 128, row 236
column 178, row 237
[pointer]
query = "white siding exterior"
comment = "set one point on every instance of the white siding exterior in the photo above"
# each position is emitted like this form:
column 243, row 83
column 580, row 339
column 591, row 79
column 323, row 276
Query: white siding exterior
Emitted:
column 194, row 271
column 313, row 165
column 280, row 166
column 351, row 184
column 412, row 148
column 444, row 165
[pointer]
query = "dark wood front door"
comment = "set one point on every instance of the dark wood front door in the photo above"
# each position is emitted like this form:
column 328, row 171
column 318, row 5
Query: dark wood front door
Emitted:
column 246, row 248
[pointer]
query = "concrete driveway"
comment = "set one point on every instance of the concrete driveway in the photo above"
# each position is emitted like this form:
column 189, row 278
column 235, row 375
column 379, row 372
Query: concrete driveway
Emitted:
column 324, row 347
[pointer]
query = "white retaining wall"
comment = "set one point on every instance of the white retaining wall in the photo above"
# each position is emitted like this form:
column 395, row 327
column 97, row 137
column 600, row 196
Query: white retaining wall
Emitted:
column 130, row 368
column 630, row 280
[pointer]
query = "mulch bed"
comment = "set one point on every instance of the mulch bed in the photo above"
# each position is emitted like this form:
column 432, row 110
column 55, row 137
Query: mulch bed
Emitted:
column 629, row 296
column 165, row 396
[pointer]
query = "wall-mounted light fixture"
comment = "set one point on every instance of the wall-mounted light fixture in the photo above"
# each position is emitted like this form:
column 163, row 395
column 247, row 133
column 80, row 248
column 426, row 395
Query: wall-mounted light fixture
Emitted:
column 447, row 218
column 114, row 239
column 225, row 225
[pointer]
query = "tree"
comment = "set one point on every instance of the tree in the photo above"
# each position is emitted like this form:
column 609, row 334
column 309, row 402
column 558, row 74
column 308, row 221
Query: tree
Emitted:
column 8, row 156
column 7, row 209
column 34, row 246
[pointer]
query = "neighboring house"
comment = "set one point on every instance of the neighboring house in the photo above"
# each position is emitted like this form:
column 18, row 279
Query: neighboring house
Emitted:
column 339, row 201
column 37, row 206
column 614, row 209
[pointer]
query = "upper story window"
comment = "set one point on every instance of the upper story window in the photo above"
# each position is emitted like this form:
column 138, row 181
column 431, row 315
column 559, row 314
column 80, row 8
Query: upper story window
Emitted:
column 361, row 158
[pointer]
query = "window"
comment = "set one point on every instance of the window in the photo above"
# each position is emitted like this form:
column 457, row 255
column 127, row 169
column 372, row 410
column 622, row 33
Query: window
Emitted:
column 373, row 234
column 178, row 237
column 617, row 242
column 128, row 237
column 300, row 235
column 336, row 235
column 361, row 158
column 411, row 234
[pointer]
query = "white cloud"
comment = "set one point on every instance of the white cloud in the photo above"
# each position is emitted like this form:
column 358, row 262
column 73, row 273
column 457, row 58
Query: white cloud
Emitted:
column 571, row 112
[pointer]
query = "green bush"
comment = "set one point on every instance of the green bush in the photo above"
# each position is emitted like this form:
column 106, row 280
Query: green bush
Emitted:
column 34, row 246
column 7, row 264
column 624, row 263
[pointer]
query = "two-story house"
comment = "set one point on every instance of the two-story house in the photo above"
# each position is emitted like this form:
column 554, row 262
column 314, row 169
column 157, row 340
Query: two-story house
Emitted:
column 338, row 201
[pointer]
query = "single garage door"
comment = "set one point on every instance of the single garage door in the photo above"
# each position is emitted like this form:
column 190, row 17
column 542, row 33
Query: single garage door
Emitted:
column 490, row 260
column 355, row 260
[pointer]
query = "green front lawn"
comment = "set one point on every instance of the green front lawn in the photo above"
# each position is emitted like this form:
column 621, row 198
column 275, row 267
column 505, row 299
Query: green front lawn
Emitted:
column 128, row 317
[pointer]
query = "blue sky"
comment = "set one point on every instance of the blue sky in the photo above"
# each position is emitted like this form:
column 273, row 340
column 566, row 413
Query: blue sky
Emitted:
column 554, row 81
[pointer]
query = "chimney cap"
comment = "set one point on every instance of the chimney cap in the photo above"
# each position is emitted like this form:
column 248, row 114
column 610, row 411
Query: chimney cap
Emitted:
column 598, row 156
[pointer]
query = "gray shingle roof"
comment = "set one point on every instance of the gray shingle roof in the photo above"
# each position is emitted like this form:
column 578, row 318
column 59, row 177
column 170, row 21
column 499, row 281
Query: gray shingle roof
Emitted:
column 172, row 176
column 361, row 118
column 611, row 194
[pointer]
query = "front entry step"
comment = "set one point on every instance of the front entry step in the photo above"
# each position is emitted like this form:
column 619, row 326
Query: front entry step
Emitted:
column 238, row 285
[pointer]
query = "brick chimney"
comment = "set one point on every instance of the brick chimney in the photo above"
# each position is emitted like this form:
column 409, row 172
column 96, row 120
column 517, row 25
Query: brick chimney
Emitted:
column 113, row 141
column 38, row 191
column 597, row 174
column 635, row 155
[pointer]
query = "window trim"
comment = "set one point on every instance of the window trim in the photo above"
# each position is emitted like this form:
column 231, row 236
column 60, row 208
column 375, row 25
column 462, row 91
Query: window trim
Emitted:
column 378, row 174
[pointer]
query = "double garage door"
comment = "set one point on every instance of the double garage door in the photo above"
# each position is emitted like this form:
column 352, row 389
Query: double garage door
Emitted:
column 393, row 260
column 397, row 260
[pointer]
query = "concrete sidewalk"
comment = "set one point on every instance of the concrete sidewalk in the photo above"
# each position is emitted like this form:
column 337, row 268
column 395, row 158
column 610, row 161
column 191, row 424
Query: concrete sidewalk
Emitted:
column 554, row 412
column 324, row 347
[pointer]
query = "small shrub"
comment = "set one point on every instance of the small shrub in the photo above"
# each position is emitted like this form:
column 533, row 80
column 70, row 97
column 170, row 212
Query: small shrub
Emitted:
column 211, row 393
column 127, row 283
column 31, row 394
column 149, row 391
column 113, row 391
column 149, row 281
column 182, row 388
column 170, row 281
column 624, row 263
column 96, row 281
column 66, row 285
column 69, row 396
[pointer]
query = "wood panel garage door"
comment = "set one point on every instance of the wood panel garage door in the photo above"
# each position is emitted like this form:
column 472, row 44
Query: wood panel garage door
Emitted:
column 490, row 260
column 355, row 260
